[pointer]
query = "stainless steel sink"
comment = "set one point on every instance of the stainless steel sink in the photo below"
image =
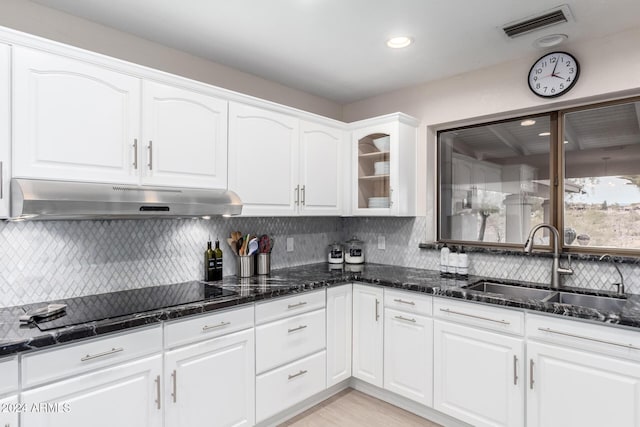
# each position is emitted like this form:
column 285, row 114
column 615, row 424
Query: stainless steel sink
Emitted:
column 589, row 301
column 510, row 290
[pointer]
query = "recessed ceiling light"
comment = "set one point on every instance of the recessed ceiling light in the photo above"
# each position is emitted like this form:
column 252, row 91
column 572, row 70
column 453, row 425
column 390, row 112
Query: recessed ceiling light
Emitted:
column 550, row 40
column 544, row 134
column 528, row 122
column 399, row 42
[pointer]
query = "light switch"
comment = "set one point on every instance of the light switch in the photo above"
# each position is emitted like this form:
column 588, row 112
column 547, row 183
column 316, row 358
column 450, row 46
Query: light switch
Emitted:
column 381, row 242
column 289, row 244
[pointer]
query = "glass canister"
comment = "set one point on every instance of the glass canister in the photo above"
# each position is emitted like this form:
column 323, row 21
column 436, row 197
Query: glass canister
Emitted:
column 336, row 253
column 354, row 251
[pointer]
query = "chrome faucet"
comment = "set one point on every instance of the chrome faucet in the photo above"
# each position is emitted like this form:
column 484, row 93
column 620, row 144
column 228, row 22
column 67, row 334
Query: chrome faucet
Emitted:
column 556, row 270
column 621, row 284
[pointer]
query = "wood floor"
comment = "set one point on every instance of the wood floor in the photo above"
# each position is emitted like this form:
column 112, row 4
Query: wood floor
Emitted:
column 352, row 408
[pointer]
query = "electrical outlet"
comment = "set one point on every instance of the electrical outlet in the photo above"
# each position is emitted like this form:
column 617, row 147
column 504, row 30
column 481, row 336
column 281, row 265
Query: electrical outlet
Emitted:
column 381, row 242
column 289, row 244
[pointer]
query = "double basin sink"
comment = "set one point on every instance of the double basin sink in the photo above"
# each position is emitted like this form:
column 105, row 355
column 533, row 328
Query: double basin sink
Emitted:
column 600, row 303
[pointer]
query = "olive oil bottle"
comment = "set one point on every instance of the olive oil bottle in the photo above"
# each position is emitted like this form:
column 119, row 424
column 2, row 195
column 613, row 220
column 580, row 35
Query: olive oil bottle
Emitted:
column 209, row 263
column 217, row 265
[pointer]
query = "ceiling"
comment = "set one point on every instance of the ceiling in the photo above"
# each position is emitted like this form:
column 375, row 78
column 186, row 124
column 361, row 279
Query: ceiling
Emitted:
column 336, row 48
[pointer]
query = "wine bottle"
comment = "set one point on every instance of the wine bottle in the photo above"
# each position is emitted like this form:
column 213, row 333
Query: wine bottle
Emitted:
column 209, row 263
column 217, row 255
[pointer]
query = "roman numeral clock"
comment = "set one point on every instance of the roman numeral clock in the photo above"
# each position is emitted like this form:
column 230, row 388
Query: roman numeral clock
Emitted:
column 554, row 74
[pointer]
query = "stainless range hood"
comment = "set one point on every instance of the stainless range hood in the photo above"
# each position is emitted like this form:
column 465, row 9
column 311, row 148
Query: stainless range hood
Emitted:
column 33, row 199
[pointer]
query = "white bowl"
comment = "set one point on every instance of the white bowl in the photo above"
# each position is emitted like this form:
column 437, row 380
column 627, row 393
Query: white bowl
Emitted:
column 381, row 168
column 383, row 143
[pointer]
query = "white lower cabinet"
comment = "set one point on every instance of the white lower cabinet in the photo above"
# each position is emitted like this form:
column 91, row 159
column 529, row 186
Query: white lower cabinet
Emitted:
column 478, row 375
column 408, row 355
column 211, row 383
column 569, row 387
column 368, row 334
column 124, row 395
column 339, row 315
column 9, row 411
column 282, row 388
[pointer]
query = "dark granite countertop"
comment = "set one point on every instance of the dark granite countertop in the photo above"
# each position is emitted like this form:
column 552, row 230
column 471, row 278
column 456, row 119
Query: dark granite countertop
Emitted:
column 15, row 338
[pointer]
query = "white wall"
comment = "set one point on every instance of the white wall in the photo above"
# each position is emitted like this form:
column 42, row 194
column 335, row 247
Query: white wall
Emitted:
column 35, row 19
column 610, row 68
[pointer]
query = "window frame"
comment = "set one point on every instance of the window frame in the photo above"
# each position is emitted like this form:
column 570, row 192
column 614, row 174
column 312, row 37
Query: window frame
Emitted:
column 557, row 178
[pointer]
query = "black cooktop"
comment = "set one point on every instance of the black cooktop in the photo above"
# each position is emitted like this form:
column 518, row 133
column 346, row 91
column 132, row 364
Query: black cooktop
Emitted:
column 104, row 306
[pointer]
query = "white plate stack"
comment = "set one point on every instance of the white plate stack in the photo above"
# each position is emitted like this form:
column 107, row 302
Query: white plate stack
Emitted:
column 378, row 202
column 381, row 168
column 382, row 144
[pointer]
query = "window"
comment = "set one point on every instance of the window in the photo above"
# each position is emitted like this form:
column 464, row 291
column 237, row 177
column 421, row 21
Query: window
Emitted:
column 601, row 150
column 497, row 180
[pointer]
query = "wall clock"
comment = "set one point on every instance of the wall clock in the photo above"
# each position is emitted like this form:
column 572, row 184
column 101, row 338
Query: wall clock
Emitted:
column 554, row 74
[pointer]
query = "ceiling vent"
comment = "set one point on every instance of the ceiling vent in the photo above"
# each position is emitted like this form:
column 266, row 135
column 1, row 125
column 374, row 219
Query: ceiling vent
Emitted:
column 546, row 19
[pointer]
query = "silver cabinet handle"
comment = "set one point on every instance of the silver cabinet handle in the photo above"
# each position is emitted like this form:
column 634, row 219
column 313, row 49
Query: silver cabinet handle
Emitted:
column 390, row 196
column 1, row 183
column 446, row 310
column 566, row 334
column 406, row 319
column 300, row 304
column 219, row 325
column 174, row 393
column 105, row 353
column 299, row 328
column 531, row 374
column 304, row 195
column 297, row 193
column 150, row 148
column 515, row 370
column 297, row 375
column 157, row 381
column 401, row 301
column 135, row 153
column 377, row 313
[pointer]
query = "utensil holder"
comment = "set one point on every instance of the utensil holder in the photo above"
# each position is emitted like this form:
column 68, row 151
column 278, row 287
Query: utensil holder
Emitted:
column 263, row 264
column 245, row 266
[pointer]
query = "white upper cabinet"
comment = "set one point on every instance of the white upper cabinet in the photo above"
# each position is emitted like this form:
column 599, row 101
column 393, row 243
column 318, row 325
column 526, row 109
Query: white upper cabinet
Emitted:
column 383, row 166
column 321, row 163
column 263, row 167
column 73, row 120
column 184, row 140
column 5, row 128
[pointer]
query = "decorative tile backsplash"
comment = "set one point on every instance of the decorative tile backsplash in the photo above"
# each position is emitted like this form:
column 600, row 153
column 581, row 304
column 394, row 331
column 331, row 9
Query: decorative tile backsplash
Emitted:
column 41, row 261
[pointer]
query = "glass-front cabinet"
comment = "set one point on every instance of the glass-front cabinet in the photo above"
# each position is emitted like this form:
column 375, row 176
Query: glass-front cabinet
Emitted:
column 384, row 166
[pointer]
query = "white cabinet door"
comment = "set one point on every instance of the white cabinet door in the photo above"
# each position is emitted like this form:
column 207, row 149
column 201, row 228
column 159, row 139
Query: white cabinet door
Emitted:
column 321, row 150
column 383, row 179
column 478, row 375
column 211, row 383
column 126, row 395
column 9, row 411
column 408, row 355
column 339, row 320
column 73, row 120
column 263, row 160
column 184, row 137
column 5, row 129
column 368, row 334
column 570, row 387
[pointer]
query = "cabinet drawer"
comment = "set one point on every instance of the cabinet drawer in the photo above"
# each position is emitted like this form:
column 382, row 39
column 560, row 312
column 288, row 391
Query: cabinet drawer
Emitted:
column 301, row 303
column 288, row 339
column 9, row 375
column 412, row 302
column 290, row 384
column 198, row 328
column 43, row 366
column 585, row 335
column 481, row 315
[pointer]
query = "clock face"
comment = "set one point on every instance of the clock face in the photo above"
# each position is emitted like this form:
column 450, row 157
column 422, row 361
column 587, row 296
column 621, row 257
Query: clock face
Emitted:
column 553, row 74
